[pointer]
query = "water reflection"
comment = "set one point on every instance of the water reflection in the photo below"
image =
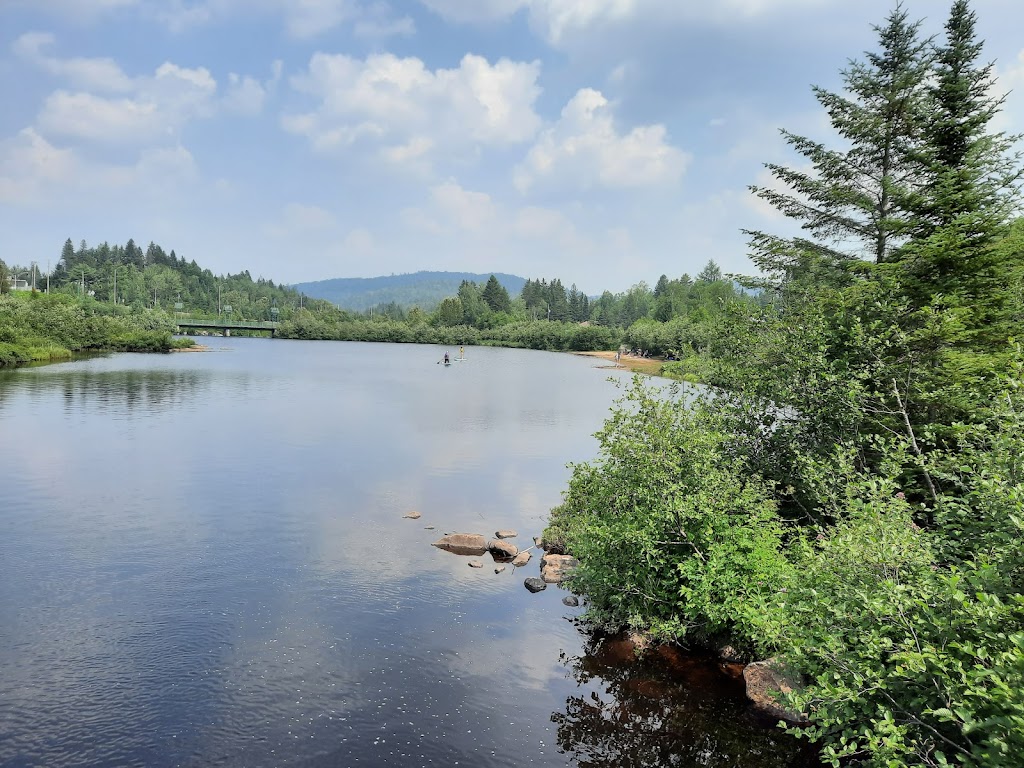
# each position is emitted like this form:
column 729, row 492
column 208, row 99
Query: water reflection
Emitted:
column 667, row 709
column 119, row 392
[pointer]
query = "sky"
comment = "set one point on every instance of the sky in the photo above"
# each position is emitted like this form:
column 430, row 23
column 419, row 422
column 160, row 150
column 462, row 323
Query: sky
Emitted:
column 602, row 142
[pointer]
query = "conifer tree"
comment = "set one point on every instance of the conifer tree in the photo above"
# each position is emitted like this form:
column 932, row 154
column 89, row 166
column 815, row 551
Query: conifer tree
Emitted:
column 853, row 205
column 970, row 176
column 496, row 296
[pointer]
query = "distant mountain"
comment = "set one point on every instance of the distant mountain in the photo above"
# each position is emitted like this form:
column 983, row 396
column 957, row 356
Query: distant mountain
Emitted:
column 419, row 289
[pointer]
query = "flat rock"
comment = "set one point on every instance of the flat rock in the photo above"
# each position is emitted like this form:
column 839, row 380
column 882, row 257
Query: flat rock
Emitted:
column 462, row 543
column 414, row 515
column 502, row 549
column 572, row 601
column 534, row 584
column 766, row 682
column 555, row 569
column 475, row 564
column 499, row 569
column 521, row 559
column 505, row 533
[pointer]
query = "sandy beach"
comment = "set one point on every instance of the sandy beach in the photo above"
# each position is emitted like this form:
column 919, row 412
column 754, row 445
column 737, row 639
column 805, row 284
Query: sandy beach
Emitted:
column 646, row 365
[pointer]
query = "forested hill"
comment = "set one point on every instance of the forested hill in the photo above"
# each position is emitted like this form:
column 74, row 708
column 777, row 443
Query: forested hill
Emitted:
column 419, row 289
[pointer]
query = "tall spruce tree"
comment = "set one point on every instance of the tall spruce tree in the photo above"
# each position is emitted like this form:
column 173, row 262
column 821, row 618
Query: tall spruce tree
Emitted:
column 496, row 296
column 853, row 204
column 970, row 177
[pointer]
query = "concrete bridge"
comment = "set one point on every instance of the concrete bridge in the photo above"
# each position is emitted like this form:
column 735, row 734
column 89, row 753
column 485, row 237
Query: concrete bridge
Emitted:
column 228, row 325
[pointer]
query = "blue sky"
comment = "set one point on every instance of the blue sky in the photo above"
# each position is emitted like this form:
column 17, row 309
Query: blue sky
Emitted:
column 603, row 142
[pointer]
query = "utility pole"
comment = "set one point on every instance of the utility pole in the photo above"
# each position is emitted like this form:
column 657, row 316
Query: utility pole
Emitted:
column 115, row 286
column 47, row 276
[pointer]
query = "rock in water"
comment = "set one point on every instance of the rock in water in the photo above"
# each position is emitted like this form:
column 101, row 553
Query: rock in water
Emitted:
column 572, row 601
column 555, row 569
column 462, row 543
column 414, row 515
column 502, row 550
column 765, row 681
column 499, row 569
column 521, row 559
column 475, row 564
column 534, row 584
column 505, row 533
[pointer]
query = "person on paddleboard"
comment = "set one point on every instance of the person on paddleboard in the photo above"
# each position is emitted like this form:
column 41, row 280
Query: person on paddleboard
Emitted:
column 446, row 360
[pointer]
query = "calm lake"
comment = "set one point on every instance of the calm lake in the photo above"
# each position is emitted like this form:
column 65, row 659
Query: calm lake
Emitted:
column 203, row 561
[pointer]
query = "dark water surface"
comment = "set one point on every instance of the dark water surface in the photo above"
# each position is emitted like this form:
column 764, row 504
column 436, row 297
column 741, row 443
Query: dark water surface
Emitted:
column 203, row 561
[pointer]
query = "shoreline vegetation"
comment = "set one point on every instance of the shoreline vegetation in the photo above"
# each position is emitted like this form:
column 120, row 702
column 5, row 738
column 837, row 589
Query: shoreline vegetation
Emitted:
column 848, row 504
column 36, row 327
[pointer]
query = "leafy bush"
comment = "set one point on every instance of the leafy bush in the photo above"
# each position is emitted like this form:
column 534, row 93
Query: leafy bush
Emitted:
column 673, row 535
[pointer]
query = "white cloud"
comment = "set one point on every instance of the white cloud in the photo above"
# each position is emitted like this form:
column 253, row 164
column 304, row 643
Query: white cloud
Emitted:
column 158, row 107
column 38, row 172
column 585, row 148
column 465, row 209
column 411, row 109
column 30, row 164
column 303, row 19
column 101, row 74
column 112, row 107
column 557, row 19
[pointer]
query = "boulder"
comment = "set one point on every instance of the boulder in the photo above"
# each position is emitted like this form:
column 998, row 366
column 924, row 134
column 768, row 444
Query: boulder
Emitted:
column 535, row 584
column 462, row 543
column 521, row 559
column 766, row 681
column 505, row 533
column 502, row 550
column 555, row 569
column 475, row 564
column 538, row 542
column 572, row 601
column 414, row 515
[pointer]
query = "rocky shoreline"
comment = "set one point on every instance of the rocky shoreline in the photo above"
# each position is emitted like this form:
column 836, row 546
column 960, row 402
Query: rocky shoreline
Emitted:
column 766, row 682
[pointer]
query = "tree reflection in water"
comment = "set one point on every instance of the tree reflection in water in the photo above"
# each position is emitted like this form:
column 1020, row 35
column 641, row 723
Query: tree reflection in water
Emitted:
column 668, row 708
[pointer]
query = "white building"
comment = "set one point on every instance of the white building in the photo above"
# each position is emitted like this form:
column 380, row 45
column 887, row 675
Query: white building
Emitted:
column 18, row 284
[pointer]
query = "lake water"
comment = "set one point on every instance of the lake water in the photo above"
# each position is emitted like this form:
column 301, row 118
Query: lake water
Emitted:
column 203, row 561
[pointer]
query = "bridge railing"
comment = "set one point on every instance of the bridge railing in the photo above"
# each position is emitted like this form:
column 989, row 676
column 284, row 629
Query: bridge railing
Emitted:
column 246, row 324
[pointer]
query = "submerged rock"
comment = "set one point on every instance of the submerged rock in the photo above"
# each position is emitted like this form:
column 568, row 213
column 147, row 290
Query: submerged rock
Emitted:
column 534, row 584
column 766, row 681
column 414, row 515
column 521, row 559
column 502, row 549
column 505, row 533
column 462, row 543
column 572, row 601
column 555, row 569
